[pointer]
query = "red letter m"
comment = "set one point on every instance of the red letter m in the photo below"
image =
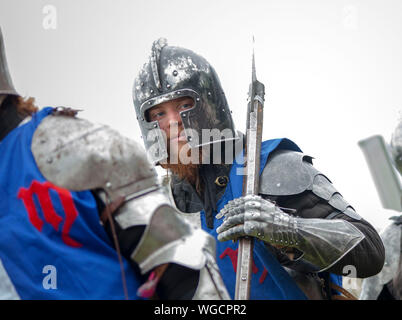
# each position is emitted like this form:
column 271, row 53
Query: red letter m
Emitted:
column 42, row 192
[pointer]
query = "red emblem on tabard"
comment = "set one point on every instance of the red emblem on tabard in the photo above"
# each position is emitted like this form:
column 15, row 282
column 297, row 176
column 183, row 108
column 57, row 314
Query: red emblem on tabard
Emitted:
column 41, row 190
column 232, row 254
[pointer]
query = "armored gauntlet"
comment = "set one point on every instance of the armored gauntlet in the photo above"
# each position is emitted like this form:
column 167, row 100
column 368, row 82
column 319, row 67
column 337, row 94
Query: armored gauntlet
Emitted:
column 322, row 242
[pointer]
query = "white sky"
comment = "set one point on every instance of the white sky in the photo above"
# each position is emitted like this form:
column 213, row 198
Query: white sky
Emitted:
column 332, row 68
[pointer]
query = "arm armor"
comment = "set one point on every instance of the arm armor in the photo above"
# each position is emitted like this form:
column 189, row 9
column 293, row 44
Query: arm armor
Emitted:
column 78, row 155
column 323, row 242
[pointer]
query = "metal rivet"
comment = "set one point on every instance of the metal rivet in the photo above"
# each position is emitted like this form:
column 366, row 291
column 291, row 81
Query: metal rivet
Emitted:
column 189, row 138
column 155, row 125
column 175, row 73
column 184, row 115
column 108, row 185
column 178, row 92
column 49, row 160
column 168, row 86
column 198, row 99
column 244, row 278
column 149, row 102
column 152, row 91
column 142, row 84
column 209, row 93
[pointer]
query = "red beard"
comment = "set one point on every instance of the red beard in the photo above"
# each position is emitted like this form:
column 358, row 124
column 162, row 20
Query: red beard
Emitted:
column 188, row 171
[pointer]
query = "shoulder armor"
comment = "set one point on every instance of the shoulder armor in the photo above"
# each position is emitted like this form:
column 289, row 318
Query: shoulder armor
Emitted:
column 78, row 155
column 289, row 173
column 285, row 173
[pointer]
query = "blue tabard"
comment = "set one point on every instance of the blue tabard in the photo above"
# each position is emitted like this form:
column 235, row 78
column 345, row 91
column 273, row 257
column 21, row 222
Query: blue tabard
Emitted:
column 269, row 279
column 52, row 245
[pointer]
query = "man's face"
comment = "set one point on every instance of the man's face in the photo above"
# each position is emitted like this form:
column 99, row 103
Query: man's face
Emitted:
column 168, row 116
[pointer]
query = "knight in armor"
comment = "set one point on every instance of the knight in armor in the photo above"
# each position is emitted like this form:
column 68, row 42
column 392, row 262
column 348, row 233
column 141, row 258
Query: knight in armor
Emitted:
column 305, row 232
column 387, row 285
column 83, row 215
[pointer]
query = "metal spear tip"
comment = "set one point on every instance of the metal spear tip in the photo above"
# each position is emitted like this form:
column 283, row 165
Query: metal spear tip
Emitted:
column 253, row 76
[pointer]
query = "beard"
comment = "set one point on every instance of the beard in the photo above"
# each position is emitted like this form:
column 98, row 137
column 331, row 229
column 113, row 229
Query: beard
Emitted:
column 184, row 162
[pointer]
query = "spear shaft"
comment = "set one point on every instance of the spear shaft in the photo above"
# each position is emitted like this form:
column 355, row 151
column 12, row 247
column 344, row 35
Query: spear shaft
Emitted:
column 252, row 153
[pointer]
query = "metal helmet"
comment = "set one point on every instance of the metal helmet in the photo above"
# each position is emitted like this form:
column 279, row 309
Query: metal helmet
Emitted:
column 396, row 147
column 6, row 84
column 174, row 72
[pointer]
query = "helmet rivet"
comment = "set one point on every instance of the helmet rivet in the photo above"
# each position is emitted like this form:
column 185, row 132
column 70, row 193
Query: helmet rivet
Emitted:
column 152, row 91
column 175, row 73
column 142, row 84
column 168, row 86
column 189, row 138
column 49, row 160
column 155, row 125
column 178, row 92
column 149, row 102
column 209, row 93
column 198, row 99
column 184, row 115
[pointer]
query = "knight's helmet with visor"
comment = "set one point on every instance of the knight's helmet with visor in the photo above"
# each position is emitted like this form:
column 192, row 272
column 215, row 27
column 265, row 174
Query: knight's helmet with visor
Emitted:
column 174, row 72
column 6, row 84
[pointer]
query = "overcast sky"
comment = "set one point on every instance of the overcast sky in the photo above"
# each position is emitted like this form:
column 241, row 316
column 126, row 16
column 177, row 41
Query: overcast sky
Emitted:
column 332, row 69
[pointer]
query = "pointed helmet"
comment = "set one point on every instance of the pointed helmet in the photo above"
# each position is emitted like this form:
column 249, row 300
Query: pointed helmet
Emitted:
column 174, row 72
column 6, row 84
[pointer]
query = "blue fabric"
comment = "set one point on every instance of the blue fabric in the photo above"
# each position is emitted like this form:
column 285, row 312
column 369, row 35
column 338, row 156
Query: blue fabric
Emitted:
column 269, row 279
column 85, row 261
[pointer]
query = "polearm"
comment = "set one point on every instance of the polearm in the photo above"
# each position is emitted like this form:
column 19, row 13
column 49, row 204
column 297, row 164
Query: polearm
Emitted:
column 382, row 171
column 252, row 153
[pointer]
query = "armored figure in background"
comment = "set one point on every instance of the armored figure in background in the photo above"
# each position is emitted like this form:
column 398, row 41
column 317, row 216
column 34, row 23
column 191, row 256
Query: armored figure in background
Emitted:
column 306, row 232
column 61, row 178
column 386, row 285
